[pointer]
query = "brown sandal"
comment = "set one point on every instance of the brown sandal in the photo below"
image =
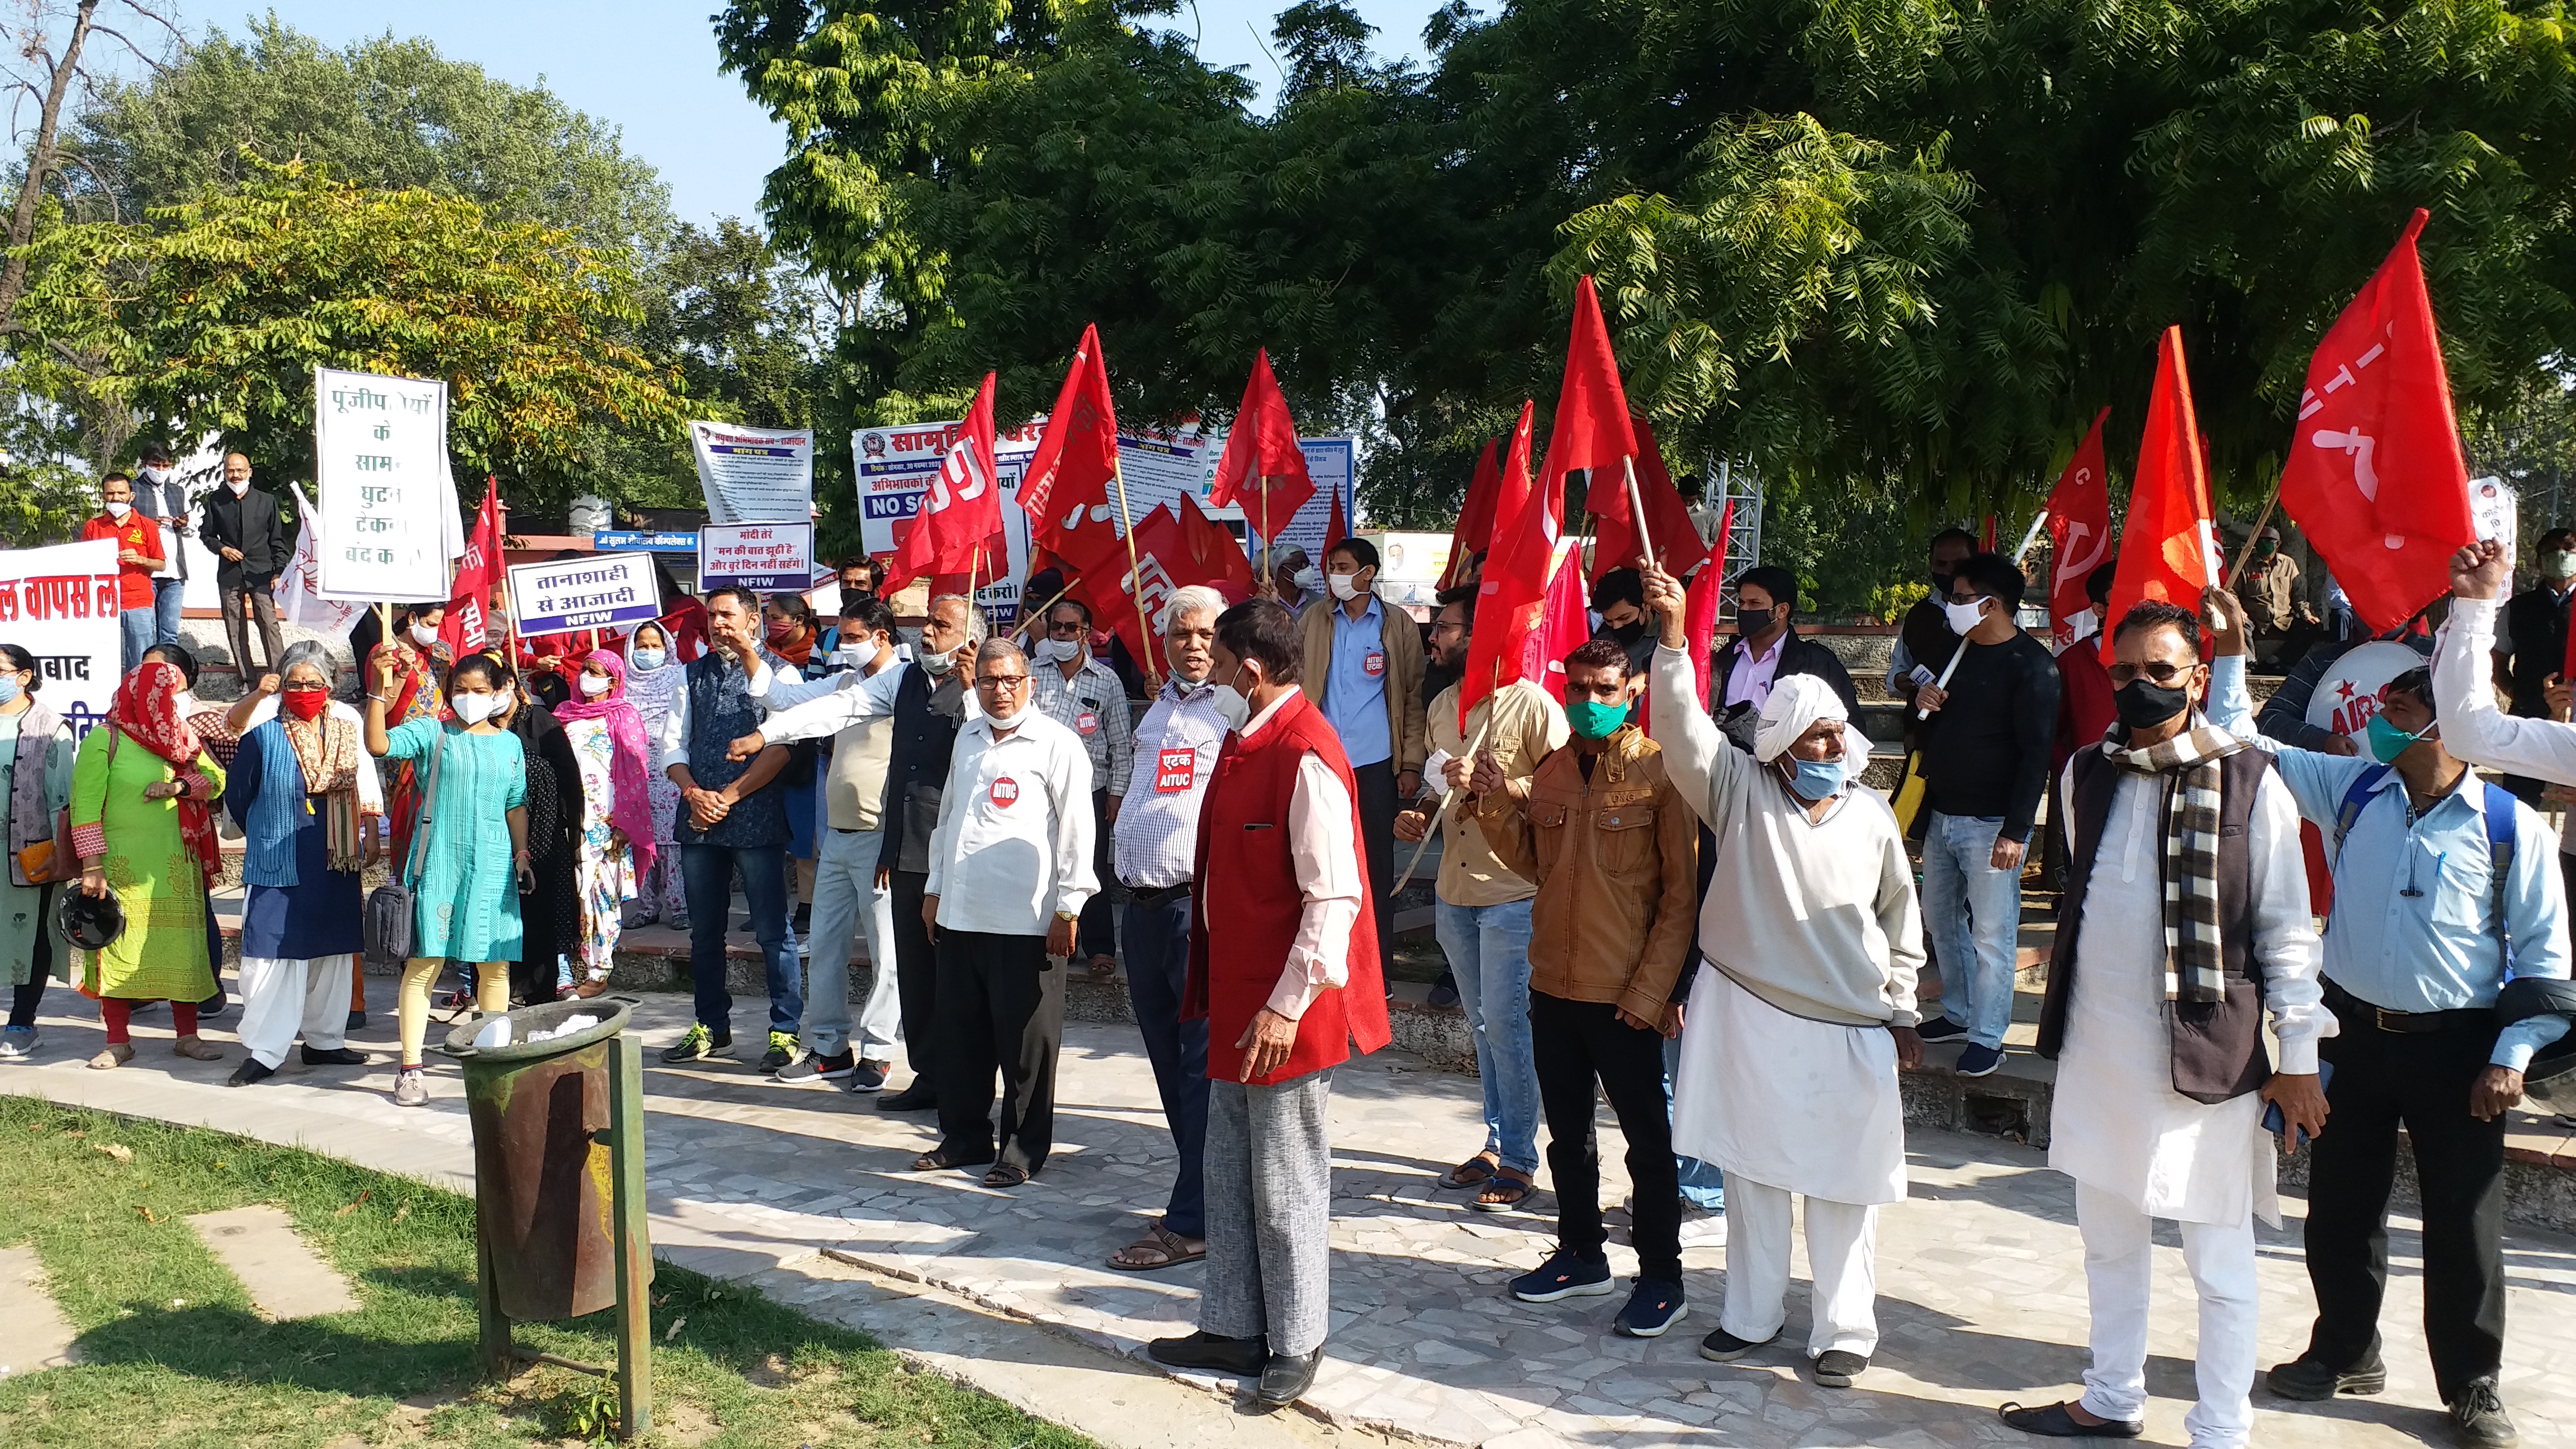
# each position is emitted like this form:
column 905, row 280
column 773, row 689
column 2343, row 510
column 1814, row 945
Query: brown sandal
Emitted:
column 1168, row 1249
column 1506, row 1191
column 1005, row 1175
column 194, row 1048
column 1476, row 1171
column 943, row 1162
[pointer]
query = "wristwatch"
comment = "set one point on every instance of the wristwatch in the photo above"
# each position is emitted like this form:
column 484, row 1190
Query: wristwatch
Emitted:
column 1069, row 917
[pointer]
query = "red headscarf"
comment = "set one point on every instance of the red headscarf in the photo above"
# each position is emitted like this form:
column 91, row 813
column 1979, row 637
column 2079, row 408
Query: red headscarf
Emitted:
column 147, row 710
column 629, row 761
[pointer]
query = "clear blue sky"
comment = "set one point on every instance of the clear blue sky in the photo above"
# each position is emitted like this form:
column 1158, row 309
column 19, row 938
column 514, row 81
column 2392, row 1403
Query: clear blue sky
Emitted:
column 649, row 66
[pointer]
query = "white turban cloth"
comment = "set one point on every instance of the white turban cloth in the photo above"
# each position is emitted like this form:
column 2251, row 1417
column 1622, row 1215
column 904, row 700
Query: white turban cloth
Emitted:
column 1797, row 701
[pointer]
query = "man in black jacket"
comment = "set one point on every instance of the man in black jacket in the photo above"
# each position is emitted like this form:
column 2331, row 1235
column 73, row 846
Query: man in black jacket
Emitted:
column 1764, row 651
column 244, row 528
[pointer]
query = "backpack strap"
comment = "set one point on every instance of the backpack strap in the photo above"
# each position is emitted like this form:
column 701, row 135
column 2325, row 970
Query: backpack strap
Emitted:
column 2356, row 800
column 2500, row 805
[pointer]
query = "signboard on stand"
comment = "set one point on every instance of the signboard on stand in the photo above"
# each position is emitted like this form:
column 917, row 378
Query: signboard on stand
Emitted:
column 60, row 604
column 763, row 556
column 755, row 475
column 384, row 493
column 594, row 591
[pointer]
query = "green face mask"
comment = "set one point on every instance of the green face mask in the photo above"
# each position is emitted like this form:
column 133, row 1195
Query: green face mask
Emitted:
column 1593, row 720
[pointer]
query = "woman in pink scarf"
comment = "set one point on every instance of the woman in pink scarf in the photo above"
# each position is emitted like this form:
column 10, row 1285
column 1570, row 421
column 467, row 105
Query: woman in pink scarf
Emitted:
column 616, row 846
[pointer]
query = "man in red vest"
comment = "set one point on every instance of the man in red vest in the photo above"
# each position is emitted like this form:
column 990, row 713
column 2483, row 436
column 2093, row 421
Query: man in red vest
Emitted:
column 1286, row 983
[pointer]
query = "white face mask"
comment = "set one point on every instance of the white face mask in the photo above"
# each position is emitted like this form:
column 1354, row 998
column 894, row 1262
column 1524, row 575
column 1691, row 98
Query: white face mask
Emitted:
column 1964, row 617
column 938, row 664
column 501, row 698
column 1345, row 586
column 118, row 508
column 423, row 635
column 473, row 709
column 185, row 702
column 1057, row 651
column 238, row 488
column 1308, row 579
column 595, row 685
column 647, row 660
column 156, row 476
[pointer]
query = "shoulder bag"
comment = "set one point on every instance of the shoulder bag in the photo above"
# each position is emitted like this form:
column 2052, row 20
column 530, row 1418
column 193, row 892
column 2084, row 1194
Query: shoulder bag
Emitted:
column 390, row 919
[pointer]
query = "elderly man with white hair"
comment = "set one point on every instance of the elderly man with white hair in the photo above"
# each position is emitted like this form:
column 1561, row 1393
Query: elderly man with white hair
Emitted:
column 1804, row 1005
column 1157, row 849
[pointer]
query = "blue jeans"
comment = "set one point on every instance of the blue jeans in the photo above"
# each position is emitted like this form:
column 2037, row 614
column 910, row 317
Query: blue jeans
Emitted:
column 1703, row 1185
column 707, row 873
column 1972, row 912
column 165, row 610
column 1158, row 965
column 1488, row 946
column 134, row 635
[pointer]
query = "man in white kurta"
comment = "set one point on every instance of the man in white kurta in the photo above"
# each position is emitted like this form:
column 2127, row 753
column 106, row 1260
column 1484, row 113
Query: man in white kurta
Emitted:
column 1803, row 1006
column 2138, row 1149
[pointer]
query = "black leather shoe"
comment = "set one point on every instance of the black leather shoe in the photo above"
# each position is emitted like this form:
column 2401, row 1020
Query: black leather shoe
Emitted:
column 250, row 1071
column 914, row 1098
column 1288, row 1376
column 2478, row 1419
column 2308, row 1379
column 335, row 1057
column 2054, row 1422
column 1241, row 1357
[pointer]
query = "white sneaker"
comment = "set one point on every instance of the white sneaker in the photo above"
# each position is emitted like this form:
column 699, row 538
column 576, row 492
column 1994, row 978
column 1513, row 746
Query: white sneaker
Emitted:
column 19, row 1043
column 409, row 1089
column 1702, row 1228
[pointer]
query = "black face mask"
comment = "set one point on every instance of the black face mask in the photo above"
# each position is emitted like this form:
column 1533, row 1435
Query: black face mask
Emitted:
column 2141, row 705
column 1628, row 634
column 1940, row 585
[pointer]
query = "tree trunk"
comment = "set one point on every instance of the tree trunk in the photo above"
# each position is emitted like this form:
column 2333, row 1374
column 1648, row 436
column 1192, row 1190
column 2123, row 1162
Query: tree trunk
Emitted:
column 40, row 165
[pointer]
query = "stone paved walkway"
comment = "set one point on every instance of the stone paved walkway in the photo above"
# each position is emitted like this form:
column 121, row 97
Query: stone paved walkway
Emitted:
column 1981, row 1287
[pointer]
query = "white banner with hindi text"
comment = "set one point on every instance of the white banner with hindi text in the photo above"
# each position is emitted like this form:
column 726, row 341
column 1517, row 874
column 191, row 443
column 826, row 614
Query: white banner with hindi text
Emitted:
column 385, row 494
column 60, row 605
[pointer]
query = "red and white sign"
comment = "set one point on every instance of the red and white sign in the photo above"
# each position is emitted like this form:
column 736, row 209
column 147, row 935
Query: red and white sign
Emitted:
column 1175, row 771
column 2352, row 691
column 1088, row 722
column 1004, row 794
column 1374, row 665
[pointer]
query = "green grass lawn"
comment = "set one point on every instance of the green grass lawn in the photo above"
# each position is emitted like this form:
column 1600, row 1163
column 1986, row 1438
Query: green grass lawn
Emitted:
column 174, row 1354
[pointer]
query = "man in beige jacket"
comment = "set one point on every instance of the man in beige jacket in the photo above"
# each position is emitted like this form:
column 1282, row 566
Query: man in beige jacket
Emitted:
column 1363, row 668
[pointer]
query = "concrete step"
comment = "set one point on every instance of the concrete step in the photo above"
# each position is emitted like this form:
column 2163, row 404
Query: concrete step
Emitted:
column 285, row 1278
column 39, row 1337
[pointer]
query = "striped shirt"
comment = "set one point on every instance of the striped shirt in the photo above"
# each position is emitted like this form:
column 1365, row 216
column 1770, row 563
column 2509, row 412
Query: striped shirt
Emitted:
column 1175, row 749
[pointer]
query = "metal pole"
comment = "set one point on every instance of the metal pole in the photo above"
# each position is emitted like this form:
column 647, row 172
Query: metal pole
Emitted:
column 634, row 1247
column 493, row 1334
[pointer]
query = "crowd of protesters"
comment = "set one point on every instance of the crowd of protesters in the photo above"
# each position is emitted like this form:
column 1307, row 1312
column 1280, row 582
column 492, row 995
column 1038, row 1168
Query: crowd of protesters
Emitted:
column 1662, row 883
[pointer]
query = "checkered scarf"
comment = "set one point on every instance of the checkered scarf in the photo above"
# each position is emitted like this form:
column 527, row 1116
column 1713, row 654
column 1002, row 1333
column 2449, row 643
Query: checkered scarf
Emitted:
column 2188, row 764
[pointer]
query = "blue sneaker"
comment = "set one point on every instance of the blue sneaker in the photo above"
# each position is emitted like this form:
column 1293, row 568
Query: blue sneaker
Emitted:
column 1655, row 1306
column 1940, row 1028
column 18, row 1043
column 1979, row 1061
column 1565, row 1274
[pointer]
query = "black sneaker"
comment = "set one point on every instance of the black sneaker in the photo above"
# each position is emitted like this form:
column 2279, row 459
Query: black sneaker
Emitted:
column 2478, row 1418
column 784, row 1051
column 2307, row 1378
column 1978, row 1061
column 1565, row 1274
column 699, row 1044
column 1940, row 1028
column 1723, row 1347
column 1655, row 1305
column 803, row 920
column 818, row 1069
column 1444, row 992
column 334, row 1057
column 867, row 1077
column 1837, row 1367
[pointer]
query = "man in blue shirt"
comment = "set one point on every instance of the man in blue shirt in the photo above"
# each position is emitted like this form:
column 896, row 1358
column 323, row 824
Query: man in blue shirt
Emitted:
column 1363, row 667
column 2428, row 921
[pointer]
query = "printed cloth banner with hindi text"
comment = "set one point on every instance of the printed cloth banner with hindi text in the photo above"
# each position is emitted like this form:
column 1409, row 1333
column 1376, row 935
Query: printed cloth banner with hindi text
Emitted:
column 383, row 488
column 593, row 591
column 755, row 475
column 60, row 605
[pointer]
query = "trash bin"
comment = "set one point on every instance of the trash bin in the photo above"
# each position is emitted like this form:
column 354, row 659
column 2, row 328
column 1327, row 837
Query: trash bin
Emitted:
column 543, row 1177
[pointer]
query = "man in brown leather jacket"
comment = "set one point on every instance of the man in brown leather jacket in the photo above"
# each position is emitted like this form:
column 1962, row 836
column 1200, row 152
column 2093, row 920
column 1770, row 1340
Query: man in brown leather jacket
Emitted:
column 1614, row 853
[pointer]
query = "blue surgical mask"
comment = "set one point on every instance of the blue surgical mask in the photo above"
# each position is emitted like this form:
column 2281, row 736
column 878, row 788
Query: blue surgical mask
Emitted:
column 9, row 690
column 646, row 660
column 2387, row 741
column 1815, row 780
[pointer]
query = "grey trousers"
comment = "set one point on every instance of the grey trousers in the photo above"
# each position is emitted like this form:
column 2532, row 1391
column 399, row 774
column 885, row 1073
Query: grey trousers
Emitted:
column 1269, row 1212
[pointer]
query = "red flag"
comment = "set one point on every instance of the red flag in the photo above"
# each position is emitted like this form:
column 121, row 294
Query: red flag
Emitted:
column 1336, row 528
column 1475, row 528
column 1262, row 467
column 2079, row 533
column 962, row 510
column 1591, row 428
column 463, row 629
column 1986, row 535
column 1065, row 490
column 2168, row 549
column 1564, row 623
column 1514, row 586
column 1176, row 546
column 1707, row 592
column 1668, row 520
column 2374, row 478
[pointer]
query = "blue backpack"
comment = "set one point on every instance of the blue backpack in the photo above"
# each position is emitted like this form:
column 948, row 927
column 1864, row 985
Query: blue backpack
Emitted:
column 2500, row 825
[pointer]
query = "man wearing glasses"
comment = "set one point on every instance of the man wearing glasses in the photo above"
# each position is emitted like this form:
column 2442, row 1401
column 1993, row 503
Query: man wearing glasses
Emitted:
column 1084, row 695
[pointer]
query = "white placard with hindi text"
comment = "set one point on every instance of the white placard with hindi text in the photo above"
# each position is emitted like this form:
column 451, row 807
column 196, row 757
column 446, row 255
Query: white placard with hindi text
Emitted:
column 60, row 605
column 765, row 556
column 591, row 591
column 755, row 475
column 384, row 492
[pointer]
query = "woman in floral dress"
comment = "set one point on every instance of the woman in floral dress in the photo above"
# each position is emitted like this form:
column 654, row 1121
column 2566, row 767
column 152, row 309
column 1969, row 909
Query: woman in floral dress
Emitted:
column 615, row 845
column 653, row 677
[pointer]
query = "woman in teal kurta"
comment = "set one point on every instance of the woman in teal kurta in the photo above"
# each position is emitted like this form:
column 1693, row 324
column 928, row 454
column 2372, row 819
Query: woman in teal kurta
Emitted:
column 31, row 948
column 469, row 858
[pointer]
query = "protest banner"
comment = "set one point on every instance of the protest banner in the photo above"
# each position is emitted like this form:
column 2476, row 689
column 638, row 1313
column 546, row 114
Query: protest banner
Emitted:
column 385, row 497
column 624, row 540
column 763, row 556
column 298, row 589
column 755, row 475
column 60, row 605
column 895, row 466
column 594, row 591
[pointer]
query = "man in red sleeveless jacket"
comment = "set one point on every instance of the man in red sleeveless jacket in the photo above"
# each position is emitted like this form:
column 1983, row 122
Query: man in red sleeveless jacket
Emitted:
column 1287, row 983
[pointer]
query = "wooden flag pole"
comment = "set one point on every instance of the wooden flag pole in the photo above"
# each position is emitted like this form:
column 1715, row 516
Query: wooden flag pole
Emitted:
column 1636, row 510
column 1135, row 570
column 1265, row 526
column 1028, row 617
column 2029, row 538
column 1447, row 797
column 2246, row 554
